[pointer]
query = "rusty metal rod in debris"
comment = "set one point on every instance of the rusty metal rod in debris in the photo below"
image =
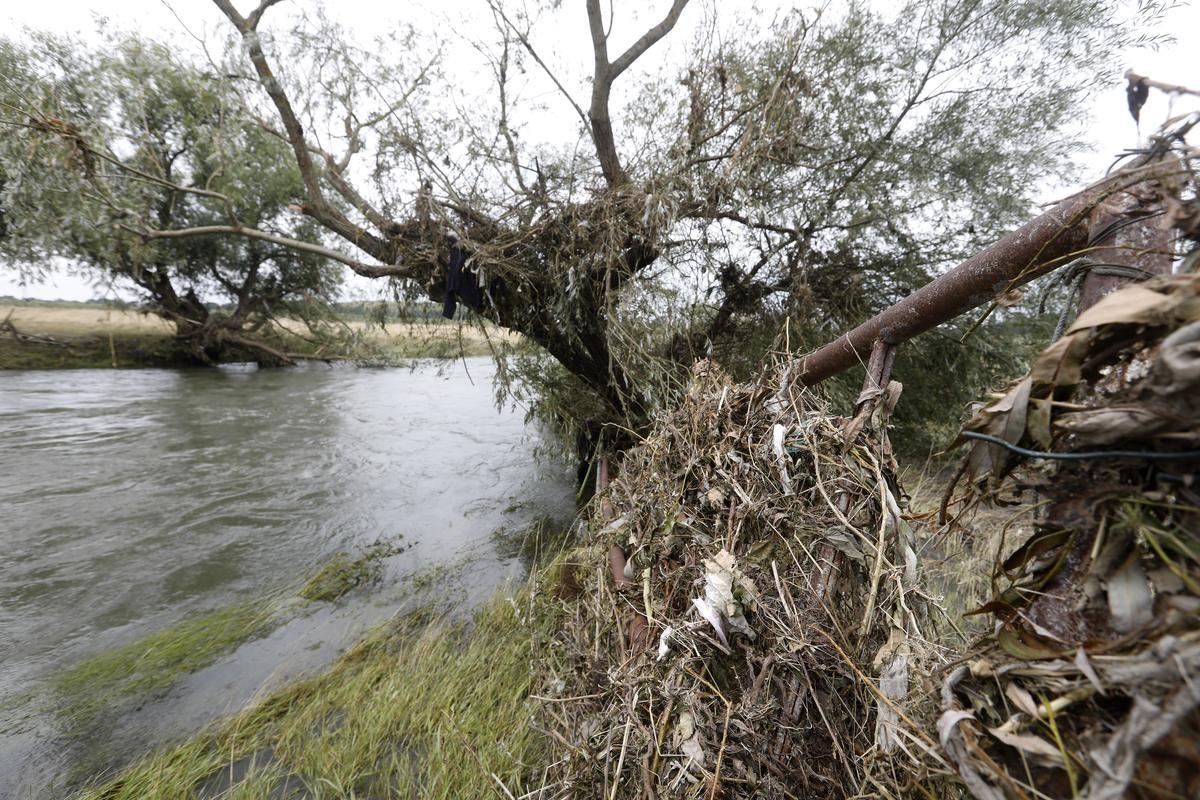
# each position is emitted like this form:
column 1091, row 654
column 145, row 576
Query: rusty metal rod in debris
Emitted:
column 1036, row 248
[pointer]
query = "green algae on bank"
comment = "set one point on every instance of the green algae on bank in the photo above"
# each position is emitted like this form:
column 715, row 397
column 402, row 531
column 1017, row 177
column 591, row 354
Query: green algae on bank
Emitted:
column 421, row 706
column 157, row 660
column 341, row 573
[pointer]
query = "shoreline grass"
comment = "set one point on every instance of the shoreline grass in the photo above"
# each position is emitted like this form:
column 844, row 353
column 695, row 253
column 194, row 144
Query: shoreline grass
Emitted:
column 421, row 706
column 157, row 660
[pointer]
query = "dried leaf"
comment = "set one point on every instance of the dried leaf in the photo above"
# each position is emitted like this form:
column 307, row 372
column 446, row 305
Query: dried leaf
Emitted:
column 1039, row 543
column 948, row 721
column 1038, row 423
column 1085, row 666
column 1044, row 753
column 1059, row 364
column 760, row 552
column 1025, row 645
column 1014, row 424
column 1022, row 699
column 846, row 543
column 1179, row 359
column 893, row 684
column 1113, row 423
column 1135, row 305
column 686, row 740
column 1165, row 581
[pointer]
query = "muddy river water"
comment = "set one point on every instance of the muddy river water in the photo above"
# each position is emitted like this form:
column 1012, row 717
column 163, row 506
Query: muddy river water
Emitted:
column 133, row 500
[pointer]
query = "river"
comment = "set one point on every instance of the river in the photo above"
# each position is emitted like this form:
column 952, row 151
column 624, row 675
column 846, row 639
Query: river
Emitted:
column 133, row 500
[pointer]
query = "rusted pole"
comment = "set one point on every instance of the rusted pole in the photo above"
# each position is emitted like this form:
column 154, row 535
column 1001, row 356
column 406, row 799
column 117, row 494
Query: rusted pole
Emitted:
column 1036, row 248
column 879, row 371
column 1129, row 243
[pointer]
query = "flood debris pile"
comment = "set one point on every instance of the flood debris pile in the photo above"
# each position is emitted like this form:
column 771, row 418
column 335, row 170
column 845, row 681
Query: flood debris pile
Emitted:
column 749, row 619
column 1090, row 685
column 757, row 627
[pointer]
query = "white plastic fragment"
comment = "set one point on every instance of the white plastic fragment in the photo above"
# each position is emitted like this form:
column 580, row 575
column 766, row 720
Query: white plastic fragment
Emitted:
column 777, row 434
column 664, row 642
column 727, row 594
column 714, row 618
column 1129, row 599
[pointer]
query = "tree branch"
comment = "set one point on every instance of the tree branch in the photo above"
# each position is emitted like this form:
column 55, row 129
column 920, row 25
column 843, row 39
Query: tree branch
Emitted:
column 648, row 40
column 318, row 206
column 366, row 270
column 524, row 40
column 501, row 82
column 602, row 80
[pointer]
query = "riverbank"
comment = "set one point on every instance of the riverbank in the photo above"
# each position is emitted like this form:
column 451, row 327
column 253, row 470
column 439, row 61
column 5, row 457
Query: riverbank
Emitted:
column 434, row 705
column 424, row 705
column 86, row 336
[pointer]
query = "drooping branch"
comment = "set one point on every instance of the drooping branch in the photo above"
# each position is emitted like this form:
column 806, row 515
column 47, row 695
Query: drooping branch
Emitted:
column 606, row 72
column 366, row 270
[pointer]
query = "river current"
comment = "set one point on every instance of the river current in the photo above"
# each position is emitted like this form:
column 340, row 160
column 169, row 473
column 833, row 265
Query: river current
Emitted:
column 130, row 500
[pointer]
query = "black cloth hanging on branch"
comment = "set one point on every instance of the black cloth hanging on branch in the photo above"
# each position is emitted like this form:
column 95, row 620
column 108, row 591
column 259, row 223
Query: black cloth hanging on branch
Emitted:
column 461, row 283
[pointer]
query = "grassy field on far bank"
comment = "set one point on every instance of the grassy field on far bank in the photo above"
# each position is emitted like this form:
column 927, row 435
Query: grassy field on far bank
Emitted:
column 85, row 335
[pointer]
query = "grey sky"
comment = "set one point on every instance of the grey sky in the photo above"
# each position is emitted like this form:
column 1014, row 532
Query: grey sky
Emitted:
column 1111, row 129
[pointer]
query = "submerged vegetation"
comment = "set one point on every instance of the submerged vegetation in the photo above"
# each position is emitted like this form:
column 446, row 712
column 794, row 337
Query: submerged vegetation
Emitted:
column 157, row 660
column 342, row 573
column 422, row 706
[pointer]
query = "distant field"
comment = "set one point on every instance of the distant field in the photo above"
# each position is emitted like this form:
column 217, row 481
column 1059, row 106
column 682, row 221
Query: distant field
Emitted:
column 82, row 321
column 427, row 339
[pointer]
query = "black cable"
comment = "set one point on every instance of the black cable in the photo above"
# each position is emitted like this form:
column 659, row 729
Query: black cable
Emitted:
column 1148, row 456
column 1120, row 223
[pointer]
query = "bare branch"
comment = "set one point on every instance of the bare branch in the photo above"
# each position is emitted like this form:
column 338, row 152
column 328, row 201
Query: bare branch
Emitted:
column 256, row 15
column 602, row 81
column 732, row 216
column 524, row 40
column 648, row 40
column 351, row 195
column 502, row 83
column 318, row 206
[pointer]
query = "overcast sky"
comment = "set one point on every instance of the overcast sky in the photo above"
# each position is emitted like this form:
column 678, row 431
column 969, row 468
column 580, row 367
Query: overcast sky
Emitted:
column 1112, row 130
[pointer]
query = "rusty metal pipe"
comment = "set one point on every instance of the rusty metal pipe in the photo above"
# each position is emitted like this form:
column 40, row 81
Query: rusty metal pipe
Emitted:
column 1119, row 239
column 1036, row 248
